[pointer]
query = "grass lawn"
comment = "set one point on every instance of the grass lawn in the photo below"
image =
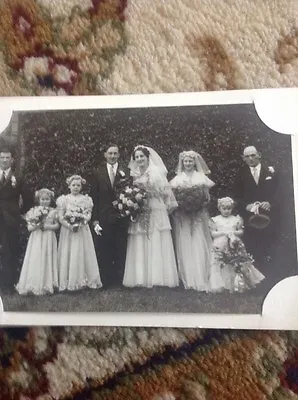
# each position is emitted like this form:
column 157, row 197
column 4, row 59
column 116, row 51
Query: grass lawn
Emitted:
column 138, row 300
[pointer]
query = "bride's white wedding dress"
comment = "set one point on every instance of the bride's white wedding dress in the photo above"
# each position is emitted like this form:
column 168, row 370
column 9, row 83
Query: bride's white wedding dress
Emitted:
column 150, row 259
column 192, row 237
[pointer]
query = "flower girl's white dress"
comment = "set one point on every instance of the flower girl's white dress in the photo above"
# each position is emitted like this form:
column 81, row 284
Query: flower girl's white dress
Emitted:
column 223, row 276
column 39, row 274
column 77, row 262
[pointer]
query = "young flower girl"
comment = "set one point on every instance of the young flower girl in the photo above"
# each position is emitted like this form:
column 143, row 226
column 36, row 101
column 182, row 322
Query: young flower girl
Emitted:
column 231, row 266
column 39, row 274
column 77, row 263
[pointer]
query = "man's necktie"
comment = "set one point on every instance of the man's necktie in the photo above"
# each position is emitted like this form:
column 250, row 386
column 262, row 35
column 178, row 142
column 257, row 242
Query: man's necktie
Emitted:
column 255, row 175
column 112, row 174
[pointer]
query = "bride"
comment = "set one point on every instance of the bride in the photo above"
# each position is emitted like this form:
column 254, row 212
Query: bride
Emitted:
column 150, row 259
column 190, row 221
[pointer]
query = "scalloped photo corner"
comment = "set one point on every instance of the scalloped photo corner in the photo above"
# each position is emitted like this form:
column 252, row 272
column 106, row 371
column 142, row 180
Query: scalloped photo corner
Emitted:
column 279, row 110
column 280, row 304
column 177, row 205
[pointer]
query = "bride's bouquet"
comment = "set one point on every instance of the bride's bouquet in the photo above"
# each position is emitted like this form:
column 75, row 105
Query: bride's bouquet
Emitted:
column 191, row 199
column 76, row 216
column 37, row 215
column 131, row 202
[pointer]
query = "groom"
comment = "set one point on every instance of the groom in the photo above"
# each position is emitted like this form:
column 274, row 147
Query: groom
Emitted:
column 111, row 241
column 14, row 200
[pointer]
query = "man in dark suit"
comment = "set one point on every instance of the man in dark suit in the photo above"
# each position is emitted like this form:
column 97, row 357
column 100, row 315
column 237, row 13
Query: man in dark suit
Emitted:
column 111, row 230
column 258, row 183
column 14, row 200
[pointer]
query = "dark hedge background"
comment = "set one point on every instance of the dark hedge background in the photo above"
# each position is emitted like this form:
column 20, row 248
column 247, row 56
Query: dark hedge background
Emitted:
column 55, row 144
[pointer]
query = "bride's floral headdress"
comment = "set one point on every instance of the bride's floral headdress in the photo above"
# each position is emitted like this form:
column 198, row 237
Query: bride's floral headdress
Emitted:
column 225, row 202
column 75, row 178
column 200, row 164
column 145, row 149
column 154, row 161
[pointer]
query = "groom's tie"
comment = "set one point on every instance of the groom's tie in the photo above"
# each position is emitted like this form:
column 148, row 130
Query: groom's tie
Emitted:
column 112, row 175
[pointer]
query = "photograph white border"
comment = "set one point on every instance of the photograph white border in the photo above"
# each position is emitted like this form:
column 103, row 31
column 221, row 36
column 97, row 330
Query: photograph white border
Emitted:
column 280, row 308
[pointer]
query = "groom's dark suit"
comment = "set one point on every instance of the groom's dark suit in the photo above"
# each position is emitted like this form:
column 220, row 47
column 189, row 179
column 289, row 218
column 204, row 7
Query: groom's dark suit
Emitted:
column 11, row 190
column 247, row 191
column 111, row 245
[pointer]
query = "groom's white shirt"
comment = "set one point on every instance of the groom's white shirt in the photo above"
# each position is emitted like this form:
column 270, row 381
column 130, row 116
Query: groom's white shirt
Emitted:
column 258, row 171
column 114, row 166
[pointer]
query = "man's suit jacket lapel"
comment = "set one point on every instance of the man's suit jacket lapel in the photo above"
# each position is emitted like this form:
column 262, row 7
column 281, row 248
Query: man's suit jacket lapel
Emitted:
column 7, row 180
column 249, row 177
column 105, row 176
column 118, row 176
column 2, row 184
column 262, row 174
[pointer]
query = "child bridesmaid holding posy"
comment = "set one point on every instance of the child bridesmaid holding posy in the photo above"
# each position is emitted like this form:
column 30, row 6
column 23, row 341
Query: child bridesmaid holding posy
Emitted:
column 231, row 267
column 77, row 262
column 39, row 274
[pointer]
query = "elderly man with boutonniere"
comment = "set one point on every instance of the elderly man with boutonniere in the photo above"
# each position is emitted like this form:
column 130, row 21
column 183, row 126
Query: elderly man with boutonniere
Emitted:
column 257, row 194
column 111, row 230
column 15, row 200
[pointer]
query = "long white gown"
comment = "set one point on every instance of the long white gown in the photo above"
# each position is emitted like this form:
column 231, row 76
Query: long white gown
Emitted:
column 150, row 259
column 77, row 262
column 39, row 274
column 192, row 237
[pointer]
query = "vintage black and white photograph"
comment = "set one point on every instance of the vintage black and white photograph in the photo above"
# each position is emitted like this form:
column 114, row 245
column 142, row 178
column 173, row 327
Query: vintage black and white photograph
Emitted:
column 185, row 209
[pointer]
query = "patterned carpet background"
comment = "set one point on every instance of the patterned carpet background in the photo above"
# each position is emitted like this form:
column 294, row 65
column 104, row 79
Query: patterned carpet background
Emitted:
column 74, row 47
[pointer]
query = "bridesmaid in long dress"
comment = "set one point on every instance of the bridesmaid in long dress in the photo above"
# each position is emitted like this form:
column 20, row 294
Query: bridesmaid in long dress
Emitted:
column 192, row 237
column 77, row 263
column 150, row 259
column 39, row 274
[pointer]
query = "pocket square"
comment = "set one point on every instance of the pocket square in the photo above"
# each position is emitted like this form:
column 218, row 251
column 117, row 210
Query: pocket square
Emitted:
column 268, row 178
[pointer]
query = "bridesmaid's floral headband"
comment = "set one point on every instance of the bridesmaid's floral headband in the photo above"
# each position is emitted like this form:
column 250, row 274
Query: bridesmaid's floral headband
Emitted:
column 189, row 153
column 46, row 191
column 75, row 178
column 225, row 202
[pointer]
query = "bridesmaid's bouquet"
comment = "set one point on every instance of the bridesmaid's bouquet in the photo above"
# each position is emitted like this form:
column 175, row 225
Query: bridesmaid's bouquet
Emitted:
column 235, row 256
column 37, row 215
column 191, row 199
column 131, row 202
column 76, row 216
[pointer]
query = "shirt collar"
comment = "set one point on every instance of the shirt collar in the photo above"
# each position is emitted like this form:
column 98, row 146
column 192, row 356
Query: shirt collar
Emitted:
column 115, row 166
column 6, row 171
column 258, row 167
